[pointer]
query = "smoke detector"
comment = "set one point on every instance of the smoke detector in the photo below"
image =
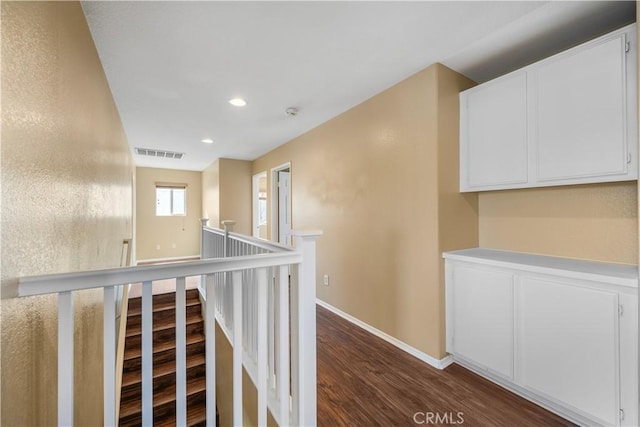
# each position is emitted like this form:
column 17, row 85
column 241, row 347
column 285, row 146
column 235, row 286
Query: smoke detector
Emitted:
column 291, row 111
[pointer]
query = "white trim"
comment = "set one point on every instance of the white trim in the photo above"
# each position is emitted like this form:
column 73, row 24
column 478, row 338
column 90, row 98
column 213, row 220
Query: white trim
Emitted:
column 255, row 194
column 273, row 177
column 172, row 259
column 436, row 363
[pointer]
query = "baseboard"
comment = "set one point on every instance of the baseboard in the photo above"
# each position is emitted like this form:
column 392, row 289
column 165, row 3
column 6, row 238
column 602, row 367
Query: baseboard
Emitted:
column 163, row 260
column 436, row 363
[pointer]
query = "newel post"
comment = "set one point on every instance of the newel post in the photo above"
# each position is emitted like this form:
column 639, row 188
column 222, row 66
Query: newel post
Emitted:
column 204, row 222
column 304, row 341
column 228, row 228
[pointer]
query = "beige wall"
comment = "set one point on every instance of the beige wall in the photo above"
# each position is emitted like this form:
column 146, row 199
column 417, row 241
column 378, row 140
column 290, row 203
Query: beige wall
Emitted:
column 211, row 194
column 235, row 193
column 161, row 237
column 224, row 387
column 66, row 201
column 597, row 222
column 376, row 179
column 226, row 192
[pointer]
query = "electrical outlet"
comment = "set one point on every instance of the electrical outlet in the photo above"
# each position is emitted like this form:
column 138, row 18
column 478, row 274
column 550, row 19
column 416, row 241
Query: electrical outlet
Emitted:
column 157, row 247
column 325, row 280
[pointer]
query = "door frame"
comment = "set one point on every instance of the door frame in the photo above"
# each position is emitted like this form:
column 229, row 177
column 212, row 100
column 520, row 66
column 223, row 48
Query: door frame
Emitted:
column 275, row 200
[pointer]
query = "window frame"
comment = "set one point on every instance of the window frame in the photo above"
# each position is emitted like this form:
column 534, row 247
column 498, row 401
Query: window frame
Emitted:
column 172, row 188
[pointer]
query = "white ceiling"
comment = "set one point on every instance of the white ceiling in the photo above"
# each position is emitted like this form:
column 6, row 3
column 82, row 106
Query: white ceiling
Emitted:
column 172, row 66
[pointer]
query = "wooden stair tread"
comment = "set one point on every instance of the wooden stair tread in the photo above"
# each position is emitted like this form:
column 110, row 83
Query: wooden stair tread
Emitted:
column 196, row 415
column 167, row 395
column 164, row 366
column 163, row 325
column 164, row 346
column 163, row 369
column 162, row 306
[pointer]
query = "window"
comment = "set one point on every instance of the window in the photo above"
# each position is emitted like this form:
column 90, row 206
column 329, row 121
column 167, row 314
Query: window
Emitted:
column 171, row 201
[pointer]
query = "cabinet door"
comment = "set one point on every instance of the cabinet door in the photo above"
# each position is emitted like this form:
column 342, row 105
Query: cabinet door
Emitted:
column 493, row 135
column 580, row 114
column 482, row 318
column 628, row 325
column 567, row 345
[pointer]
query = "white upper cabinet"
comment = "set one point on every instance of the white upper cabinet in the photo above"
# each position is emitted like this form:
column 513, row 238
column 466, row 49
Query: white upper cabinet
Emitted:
column 495, row 127
column 569, row 119
column 581, row 113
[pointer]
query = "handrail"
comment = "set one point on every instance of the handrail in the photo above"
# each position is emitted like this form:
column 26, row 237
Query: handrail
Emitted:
column 263, row 292
column 256, row 241
column 65, row 282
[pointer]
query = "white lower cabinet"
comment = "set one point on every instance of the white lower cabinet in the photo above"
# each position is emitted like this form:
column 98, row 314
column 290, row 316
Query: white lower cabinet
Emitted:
column 563, row 333
column 567, row 345
column 483, row 318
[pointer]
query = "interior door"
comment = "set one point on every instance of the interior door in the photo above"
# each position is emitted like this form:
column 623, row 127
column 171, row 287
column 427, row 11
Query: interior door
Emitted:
column 284, row 207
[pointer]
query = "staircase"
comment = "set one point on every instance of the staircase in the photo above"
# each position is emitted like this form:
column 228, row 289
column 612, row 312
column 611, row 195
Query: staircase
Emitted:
column 164, row 366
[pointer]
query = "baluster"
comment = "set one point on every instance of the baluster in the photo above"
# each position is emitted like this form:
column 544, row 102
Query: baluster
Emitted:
column 147, row 354
column 109, row 355
column 271, row 330
column 237, row 348
column 252, row 315
column 229, row 303
column 181, row 352
column 210, row 344
column 65, row 359
column 295, row 345
column 261, row 330
column 246, row 313
column 282, row 339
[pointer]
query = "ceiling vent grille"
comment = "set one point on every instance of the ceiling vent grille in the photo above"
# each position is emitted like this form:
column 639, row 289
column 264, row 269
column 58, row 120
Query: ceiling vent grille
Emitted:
column 158, row 153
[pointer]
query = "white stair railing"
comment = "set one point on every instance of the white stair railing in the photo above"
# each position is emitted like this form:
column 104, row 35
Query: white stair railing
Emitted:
column 249, row 306
column 262, row 336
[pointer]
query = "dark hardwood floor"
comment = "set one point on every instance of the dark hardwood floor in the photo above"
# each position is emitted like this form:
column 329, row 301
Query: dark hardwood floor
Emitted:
column 365, row 381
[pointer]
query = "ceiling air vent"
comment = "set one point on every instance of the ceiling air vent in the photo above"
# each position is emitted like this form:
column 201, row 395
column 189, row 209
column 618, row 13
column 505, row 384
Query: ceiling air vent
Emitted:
column 158, row 153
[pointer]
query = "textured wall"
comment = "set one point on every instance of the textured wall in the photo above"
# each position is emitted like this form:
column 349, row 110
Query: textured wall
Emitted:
column 66, row 201
column 597, row 222
column 180, row 235
column 370, row 179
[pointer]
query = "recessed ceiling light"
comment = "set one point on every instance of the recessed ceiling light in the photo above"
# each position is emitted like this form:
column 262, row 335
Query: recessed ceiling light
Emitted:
column 208, row 141
column 238, row 102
